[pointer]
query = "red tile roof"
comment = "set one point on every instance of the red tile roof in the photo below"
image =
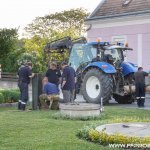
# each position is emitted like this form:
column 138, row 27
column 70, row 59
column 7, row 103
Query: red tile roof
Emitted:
column 115, row 7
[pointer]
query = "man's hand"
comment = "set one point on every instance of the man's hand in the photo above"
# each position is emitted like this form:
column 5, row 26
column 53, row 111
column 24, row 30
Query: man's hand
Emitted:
column 63, row 84
column 33, row 74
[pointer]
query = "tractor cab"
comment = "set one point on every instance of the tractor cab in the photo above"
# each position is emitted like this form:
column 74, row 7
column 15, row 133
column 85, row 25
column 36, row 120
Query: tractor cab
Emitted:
column 94, row 51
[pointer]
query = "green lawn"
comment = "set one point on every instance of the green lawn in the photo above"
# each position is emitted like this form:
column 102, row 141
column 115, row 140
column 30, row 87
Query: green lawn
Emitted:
column 38, row 130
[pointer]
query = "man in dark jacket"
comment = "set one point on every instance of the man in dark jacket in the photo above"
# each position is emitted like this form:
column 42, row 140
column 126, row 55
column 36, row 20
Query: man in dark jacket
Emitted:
column 53, row 74
column 140, row 86
column 24, row 73
column 68, row 83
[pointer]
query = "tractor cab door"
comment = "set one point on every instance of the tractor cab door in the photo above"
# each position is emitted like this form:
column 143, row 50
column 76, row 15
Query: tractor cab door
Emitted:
column 82, row 54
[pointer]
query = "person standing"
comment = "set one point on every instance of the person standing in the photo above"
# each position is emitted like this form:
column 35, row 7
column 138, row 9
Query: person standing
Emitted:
column 140, row 86
column 68, row 82
column 53, row 74
column 24, row 74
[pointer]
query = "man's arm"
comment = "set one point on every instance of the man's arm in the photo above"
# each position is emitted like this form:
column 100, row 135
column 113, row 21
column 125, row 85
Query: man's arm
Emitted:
column 146, row 74
column 30, row 74
column 75, row 76
column 64, row 78
column 44, row 89
column 59, row 76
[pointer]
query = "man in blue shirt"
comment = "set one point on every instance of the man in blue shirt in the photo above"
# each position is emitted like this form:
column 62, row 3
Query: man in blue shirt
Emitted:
column 68, row 83
column 50, row 94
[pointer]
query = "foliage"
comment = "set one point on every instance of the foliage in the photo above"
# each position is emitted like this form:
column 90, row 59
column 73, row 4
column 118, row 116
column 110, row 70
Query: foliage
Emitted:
column 1, row 98
column 8, row 39
column 8, row 44
column 59, row 24
column 11, row 64
column 10, row 95
column 34, row 52
column 105, row 139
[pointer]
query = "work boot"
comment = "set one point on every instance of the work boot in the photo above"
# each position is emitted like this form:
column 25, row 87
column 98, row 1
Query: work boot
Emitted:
column 23, row 107
column 19, row 105
column 142, row 101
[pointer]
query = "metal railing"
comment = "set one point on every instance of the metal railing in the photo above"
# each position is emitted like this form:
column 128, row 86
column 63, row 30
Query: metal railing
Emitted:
column 5, row 76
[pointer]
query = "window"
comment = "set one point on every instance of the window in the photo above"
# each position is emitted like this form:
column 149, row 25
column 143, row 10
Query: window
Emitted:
column 120, row 39
column 82, row 53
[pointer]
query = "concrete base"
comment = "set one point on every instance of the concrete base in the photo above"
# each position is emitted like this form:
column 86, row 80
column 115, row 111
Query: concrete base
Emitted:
column 8, row 105
column 128, row 129
column 80, row 110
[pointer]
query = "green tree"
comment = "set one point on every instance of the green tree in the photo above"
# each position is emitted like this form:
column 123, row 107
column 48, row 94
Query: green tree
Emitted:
column 8, row 38
column 35, row 48
column 59, row 24
column 51, row 27
column 8, row 49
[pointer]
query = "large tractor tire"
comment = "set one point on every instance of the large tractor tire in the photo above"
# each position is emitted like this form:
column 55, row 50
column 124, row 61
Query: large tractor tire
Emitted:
column 97, row 85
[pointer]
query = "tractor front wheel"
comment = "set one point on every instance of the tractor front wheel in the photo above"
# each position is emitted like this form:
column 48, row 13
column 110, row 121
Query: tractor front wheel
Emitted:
column 97, row 85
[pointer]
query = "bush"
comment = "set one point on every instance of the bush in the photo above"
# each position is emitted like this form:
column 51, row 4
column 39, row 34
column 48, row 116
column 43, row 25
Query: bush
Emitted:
column 10, row 95
column 1, row 98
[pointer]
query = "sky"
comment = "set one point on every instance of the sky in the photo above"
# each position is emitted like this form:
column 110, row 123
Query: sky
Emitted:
column 19, row 13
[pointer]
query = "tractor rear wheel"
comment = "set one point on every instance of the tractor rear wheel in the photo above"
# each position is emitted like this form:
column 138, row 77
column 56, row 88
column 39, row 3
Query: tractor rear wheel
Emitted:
column 97, row 85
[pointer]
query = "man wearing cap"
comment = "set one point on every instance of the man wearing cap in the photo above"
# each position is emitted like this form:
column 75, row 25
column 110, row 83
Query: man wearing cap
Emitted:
column 24, row 74
column 68, row 83
column 140, row 86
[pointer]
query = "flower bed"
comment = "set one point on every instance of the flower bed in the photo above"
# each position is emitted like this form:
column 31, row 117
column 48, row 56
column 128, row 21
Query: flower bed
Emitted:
column 90, row 134
column 9, row 95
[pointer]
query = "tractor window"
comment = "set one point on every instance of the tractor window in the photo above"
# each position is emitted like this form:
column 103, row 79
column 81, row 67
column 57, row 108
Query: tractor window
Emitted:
column 89, row 53
column 114, row 53
column 82, row 53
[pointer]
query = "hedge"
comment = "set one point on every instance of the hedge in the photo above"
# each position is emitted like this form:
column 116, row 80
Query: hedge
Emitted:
column 1, row 98
column 9, row 95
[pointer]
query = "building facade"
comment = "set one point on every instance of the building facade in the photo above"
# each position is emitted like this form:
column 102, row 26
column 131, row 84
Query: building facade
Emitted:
column 123, row 21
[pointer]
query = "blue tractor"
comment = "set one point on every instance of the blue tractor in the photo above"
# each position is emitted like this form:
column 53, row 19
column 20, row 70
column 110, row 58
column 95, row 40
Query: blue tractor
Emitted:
column 101, row 69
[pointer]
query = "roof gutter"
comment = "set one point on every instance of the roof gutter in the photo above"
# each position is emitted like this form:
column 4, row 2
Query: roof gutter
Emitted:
column 118, row 15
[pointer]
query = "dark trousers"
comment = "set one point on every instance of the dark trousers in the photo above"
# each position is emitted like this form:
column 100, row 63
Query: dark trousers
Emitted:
column 140, row 94
column 23, row 95
column 68, row 96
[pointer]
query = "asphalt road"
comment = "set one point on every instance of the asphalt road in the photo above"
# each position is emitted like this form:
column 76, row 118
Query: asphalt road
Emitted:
column 114, row 103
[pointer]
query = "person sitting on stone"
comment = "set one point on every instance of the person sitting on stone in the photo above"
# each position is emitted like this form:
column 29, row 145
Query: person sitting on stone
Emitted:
column 50, row 94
